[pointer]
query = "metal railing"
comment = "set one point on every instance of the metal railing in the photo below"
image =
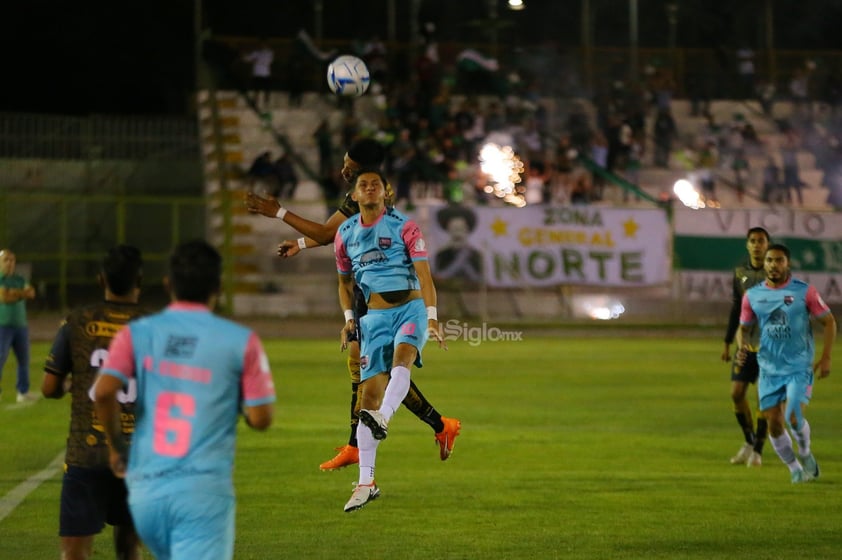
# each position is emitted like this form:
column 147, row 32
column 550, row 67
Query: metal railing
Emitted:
column 63, row 237
column 37, row 136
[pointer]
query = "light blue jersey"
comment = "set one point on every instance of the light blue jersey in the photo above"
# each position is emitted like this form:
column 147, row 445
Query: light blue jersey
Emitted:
column 192, row 370
column 381, row 257
column 380, row 254
column 783, row 314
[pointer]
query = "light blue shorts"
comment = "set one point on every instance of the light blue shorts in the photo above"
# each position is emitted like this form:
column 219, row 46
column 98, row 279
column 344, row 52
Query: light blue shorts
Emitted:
column 383, row 329
column 185, row 526
column 772, row 390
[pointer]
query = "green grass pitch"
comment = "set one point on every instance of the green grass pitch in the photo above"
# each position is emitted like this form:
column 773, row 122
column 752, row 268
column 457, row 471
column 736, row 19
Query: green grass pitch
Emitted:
column 571, row 448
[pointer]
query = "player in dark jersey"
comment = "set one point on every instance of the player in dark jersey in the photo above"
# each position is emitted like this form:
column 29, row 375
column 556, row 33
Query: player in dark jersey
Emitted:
column 91, row 495
column 363, row 153
column 746, row 275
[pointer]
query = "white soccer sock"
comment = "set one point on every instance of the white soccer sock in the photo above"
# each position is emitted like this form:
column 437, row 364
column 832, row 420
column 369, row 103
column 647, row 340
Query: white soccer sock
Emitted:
column 368, row 453
column 396, row 391
column 802, row 436
column 783, row 447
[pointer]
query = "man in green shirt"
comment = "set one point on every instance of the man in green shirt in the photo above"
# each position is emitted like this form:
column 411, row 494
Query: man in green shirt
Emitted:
column 14, row 331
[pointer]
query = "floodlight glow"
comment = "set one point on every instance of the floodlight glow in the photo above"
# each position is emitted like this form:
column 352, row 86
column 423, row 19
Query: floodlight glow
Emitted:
column 503, row 168
column 604, row 311
column 599, row 307
column 687, row 194
column 516, row 5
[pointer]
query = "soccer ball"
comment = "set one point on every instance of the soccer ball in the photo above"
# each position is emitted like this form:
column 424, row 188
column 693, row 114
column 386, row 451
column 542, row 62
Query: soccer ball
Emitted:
column 348, row 76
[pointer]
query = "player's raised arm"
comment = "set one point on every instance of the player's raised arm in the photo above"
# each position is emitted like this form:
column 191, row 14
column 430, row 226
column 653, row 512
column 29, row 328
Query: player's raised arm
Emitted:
column 322, row 234
column 290, row 248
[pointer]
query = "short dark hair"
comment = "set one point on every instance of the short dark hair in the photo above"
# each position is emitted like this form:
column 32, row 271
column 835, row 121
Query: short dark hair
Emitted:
column 122, row 269
column 376, row 170
column 759, row 230
column 779, row 247
column 367, row 152
column 195, row 271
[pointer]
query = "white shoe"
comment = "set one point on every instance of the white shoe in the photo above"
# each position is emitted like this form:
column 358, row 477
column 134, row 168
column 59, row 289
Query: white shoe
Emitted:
column 26, row 397
column 362, row 494
column 376, row 422
column 742, row 455
column 754, row 460
column 811, row 467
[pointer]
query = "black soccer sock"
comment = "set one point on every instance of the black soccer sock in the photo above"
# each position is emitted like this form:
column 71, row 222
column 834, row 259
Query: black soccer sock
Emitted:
column 421, row 407
column 760, row 435
column 355, row 418
column 745, row 424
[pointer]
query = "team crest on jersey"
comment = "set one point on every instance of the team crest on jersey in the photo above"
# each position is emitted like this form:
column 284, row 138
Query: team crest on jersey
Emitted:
column 363, row 362
column 180, row 346
column 384, row 242
column 788, row 300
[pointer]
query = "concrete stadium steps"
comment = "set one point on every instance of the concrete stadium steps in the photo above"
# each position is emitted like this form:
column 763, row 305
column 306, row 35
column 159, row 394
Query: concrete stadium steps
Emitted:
column 296, row 294
column 260, row 287
column 458, row 303
column 656, row 181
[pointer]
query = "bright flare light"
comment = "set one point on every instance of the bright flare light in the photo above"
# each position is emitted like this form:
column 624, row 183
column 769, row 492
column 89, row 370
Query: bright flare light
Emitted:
column 516, row 5
column 599, row 307
column 605, row 312
column 687, row 194
column 503, row 168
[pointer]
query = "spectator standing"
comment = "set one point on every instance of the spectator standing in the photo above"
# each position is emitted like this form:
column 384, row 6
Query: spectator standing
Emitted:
column 789, row 161
column 706, row 162
column 15, row 290
column 665, row 132
column 262, row 170
column 772, row 191
column 599, row 155
column 261, row 59
column 374, row 54
column 745, row 70
column 799, row 92
column 324, row 143
column 287, row 177
column 633, row 165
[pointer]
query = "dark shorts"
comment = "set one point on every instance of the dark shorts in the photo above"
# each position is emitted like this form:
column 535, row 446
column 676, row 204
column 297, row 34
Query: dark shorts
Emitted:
column 748, row 372
column 90, row 498
column 360, row 309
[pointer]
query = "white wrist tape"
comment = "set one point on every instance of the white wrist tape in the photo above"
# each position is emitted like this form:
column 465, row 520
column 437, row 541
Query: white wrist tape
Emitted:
column 432, row 313
column 349, row 315
column 281, row 212
column 302, row 243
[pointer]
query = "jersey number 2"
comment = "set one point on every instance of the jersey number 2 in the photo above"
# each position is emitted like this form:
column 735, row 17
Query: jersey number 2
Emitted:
column 172, row 433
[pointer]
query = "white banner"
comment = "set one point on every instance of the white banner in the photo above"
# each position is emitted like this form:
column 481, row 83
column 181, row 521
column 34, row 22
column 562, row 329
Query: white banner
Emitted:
column 546, row 246
column 717, row 286
column 779, row 222
column 709, row 243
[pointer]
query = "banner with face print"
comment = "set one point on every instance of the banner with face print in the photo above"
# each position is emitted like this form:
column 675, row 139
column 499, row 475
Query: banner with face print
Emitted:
column 547, row 246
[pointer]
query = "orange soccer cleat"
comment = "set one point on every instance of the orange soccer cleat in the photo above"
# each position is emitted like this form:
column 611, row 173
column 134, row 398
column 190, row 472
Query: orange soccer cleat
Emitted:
column 348, row 455
column 447, row 436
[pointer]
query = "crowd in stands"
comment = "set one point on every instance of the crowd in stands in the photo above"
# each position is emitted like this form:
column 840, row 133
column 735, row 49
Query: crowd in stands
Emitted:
column 434, row 122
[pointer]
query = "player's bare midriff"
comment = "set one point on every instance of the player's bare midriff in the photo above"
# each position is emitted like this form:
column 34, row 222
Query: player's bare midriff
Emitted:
column 387, row 300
